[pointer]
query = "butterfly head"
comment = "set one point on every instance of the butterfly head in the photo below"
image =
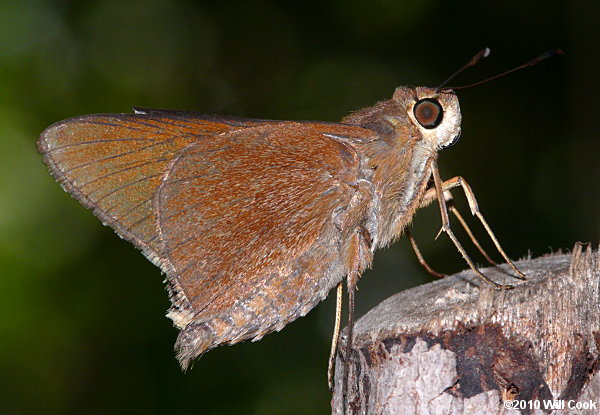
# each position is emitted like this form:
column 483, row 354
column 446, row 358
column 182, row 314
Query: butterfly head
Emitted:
column 436, row 113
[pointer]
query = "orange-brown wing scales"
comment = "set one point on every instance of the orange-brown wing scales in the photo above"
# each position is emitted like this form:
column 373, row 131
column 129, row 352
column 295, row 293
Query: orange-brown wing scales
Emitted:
column 247, row 224
column 113, row 164
column 238, row 213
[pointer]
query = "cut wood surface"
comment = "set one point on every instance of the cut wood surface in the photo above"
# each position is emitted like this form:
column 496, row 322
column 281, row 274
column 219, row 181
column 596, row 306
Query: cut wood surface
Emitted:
column 458, row 346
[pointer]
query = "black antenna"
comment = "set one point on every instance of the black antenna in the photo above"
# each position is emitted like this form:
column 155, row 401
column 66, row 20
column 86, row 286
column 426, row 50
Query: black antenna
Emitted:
column 546, row 55
column 483, row 53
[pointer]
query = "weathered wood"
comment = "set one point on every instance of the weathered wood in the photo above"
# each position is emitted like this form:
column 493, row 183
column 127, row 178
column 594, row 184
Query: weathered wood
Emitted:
column 457, row 346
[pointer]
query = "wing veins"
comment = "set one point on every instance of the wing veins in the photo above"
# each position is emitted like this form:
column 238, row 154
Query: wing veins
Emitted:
column 115, row 156
column 112, row 173
column 122, row 187
column 83, row 143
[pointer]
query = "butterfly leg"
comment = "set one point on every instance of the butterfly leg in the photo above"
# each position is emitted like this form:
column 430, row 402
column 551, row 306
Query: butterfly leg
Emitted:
column 459, row 181
column 467, row 229
column 346, row 379
column 431, row 195
column 336, row 334
column 422, row 261
column 358, row 256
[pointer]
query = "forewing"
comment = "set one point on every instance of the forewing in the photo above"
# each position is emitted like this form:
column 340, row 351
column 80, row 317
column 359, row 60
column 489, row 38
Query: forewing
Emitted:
column 239, row 213
column 113, row 164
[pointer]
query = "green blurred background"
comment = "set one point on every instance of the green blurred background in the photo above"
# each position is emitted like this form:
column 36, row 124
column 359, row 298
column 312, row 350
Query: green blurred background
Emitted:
column 82, row 326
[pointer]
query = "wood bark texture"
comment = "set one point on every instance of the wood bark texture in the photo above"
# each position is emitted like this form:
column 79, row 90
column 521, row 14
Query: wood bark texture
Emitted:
column 457, row 346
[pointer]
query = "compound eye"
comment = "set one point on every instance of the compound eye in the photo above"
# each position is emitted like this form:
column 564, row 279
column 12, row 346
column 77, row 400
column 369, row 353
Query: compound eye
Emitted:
column 428, row 112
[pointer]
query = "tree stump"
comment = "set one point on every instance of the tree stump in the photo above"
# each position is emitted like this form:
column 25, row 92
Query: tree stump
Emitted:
column 457, row 346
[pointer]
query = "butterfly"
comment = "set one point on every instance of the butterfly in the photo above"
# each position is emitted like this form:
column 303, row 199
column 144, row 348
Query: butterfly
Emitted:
column 252, row 221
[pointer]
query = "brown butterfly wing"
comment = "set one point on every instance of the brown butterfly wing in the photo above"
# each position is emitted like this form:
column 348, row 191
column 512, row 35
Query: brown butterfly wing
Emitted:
column 238, row 213
column 113, row 164
column 247, row 220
